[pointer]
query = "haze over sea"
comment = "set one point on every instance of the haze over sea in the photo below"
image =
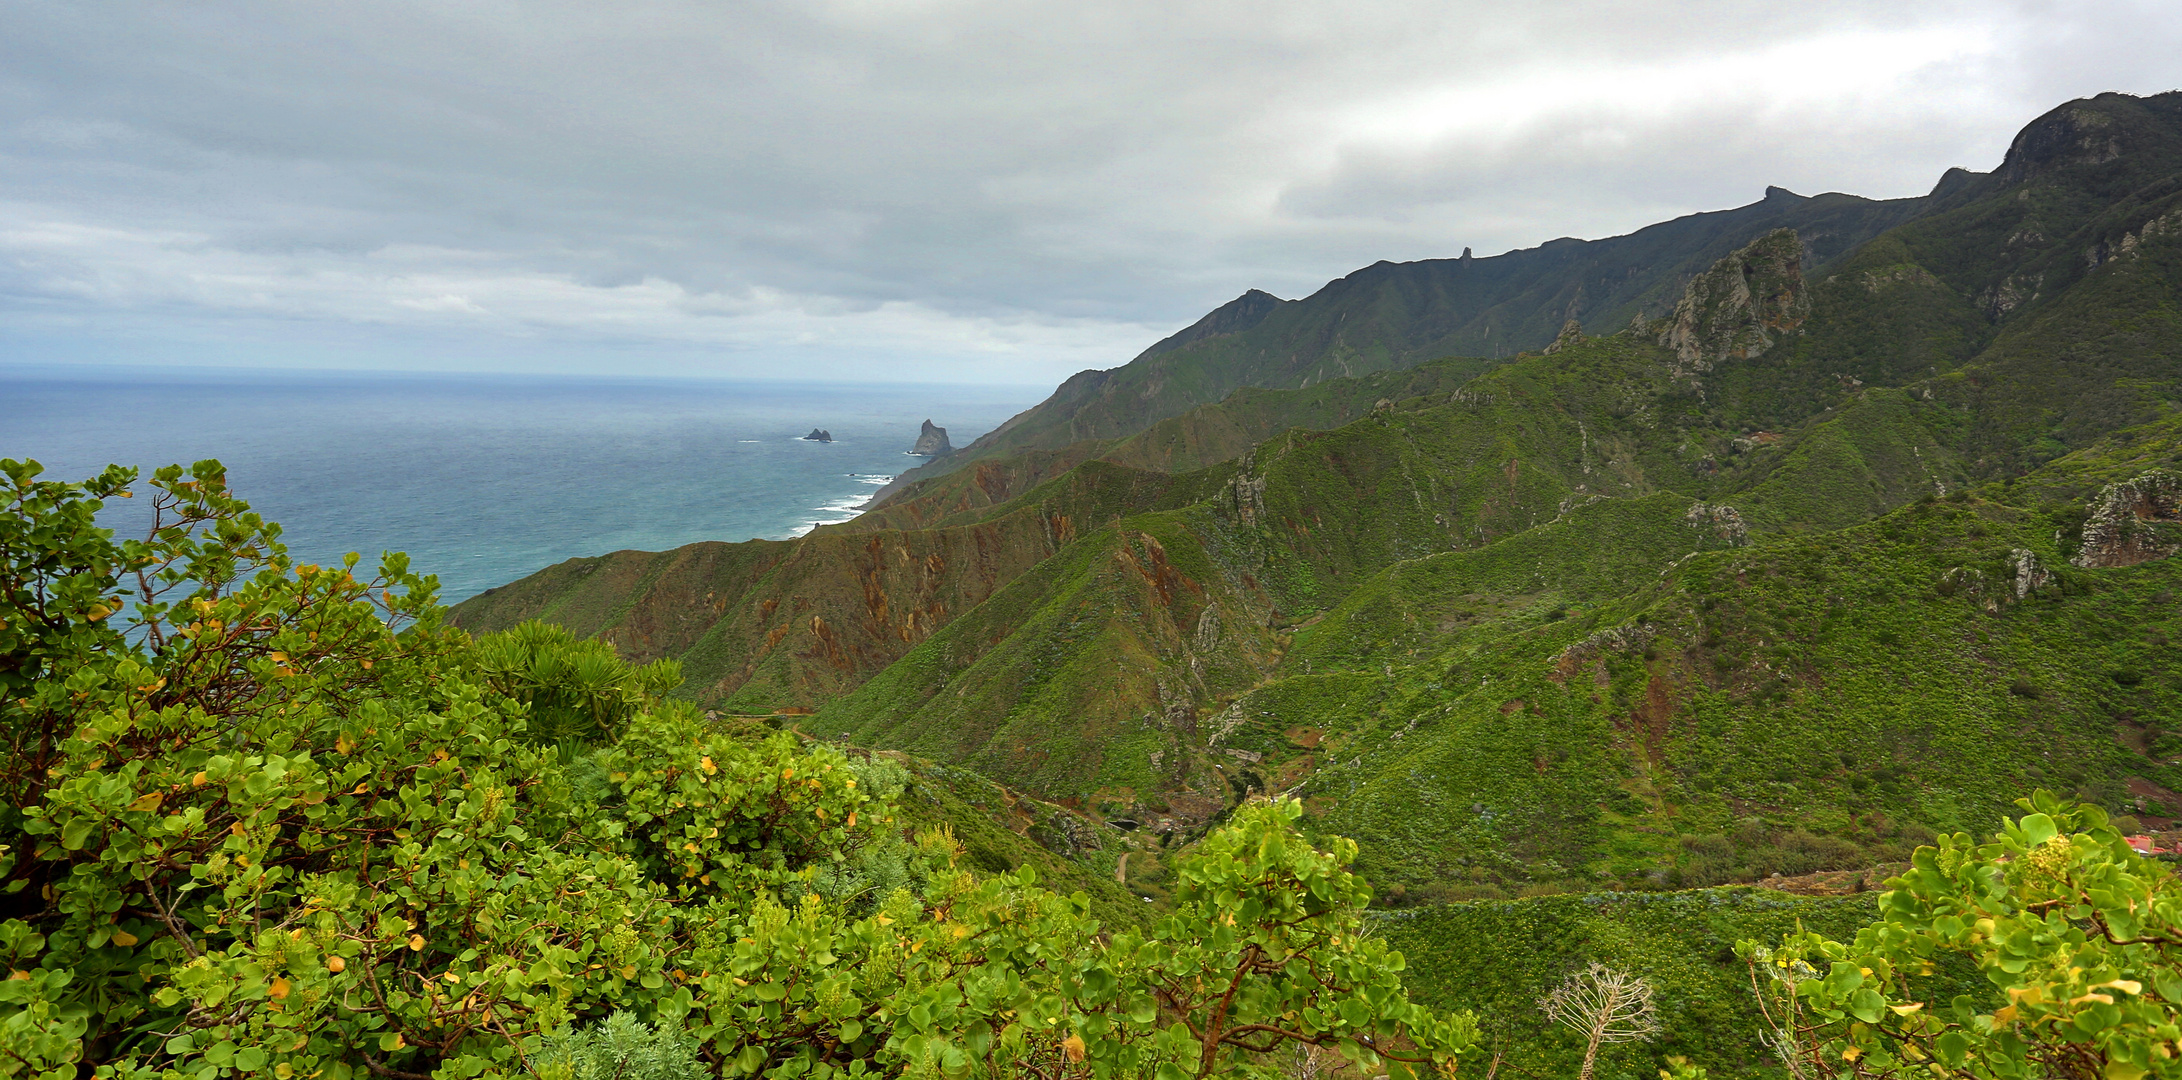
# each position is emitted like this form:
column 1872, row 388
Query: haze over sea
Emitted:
column 481, row 478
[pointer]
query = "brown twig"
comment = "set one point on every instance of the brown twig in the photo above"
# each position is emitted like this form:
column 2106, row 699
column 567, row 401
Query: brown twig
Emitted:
column 174, row 927
column 392, row 1074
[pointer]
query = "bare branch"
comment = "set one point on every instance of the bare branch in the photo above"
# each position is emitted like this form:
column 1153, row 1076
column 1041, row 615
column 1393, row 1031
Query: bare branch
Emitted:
column 1604, row 1005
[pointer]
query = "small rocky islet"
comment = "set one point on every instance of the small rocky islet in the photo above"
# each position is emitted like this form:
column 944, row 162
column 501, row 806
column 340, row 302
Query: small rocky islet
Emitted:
column 932, row 442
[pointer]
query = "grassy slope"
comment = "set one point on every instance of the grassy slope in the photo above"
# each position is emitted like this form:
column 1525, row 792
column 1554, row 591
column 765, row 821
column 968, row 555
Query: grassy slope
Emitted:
column 1852, row 685
column 1880, row 449
column 1072, row 678
column 767, row 624
column 1204, row 436
column 1120, row 634
column 2101, row 353
column 1425, row 682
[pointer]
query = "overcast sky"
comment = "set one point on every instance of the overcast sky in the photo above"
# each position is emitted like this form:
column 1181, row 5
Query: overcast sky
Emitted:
column 923, row 190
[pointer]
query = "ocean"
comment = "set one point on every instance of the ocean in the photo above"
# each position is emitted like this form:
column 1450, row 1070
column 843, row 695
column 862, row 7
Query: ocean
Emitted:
column 483, row 479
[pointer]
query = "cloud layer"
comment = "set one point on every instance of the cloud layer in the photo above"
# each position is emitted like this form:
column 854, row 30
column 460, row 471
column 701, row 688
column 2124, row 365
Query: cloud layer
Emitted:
column 925, row 189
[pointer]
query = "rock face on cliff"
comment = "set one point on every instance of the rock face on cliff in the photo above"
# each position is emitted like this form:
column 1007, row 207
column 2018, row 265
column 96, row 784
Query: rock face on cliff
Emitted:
column 1738, row 308
column 932, row 442
column 2134, row 522
column 1571, row 334
column 819, row 435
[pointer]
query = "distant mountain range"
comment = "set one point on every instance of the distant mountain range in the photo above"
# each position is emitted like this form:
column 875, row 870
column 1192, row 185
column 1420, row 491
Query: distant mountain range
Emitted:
column 1767, row 539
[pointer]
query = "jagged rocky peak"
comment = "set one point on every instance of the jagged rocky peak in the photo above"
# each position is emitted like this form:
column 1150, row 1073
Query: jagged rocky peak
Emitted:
column 932, row 442
column 1738, row 308
column 819, row 434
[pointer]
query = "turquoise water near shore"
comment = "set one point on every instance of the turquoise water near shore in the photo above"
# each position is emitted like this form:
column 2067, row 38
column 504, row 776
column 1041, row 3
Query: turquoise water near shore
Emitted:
column 483, row 479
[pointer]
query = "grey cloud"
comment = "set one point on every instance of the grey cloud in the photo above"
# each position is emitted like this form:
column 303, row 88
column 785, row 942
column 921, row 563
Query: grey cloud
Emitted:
column 979, row 189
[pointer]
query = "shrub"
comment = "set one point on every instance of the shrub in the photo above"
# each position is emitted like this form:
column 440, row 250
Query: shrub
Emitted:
column 286, row 821
column 2092, row 992
column 620, row 1047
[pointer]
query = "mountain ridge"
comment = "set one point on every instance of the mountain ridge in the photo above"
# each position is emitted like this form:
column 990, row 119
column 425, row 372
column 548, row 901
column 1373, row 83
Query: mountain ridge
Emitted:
column 1657, row 534
column 1294, row 350
column 1493, row 306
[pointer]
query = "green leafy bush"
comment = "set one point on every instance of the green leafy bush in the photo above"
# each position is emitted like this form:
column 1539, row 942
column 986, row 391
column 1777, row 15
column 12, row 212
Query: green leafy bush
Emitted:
column 2078, row 938
column 281, row 819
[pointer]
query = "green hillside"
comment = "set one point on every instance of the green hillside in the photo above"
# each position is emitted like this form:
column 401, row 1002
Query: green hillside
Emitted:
column 1783, row 576
column 1913, row 674
column 1204, row 436
column 1070, row 680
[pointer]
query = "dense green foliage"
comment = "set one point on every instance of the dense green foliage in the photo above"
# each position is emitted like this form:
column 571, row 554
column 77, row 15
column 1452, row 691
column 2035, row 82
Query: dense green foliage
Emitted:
column 288, row 822
column 1893, row 675
column 2074, row 934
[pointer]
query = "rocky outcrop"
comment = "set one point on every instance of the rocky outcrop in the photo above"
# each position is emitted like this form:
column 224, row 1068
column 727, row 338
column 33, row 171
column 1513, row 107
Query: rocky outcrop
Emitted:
column 2074, row 134
column 1571, row 334
column 1629, row 638
column 1064, row 834
column 2024, row 578
column 1243, row 498
column 932, row 442
column 819, row 434
column 2029, row 575
column 2134, row 522
column 1742, row 305
column 1722, row 523
column 2131, row 243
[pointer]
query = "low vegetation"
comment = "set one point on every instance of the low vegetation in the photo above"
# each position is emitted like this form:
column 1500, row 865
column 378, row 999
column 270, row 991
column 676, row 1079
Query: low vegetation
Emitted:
column 266, row 817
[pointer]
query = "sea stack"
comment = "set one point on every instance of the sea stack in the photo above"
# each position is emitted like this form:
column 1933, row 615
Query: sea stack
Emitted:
column 819, row 434
column 932, row 442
